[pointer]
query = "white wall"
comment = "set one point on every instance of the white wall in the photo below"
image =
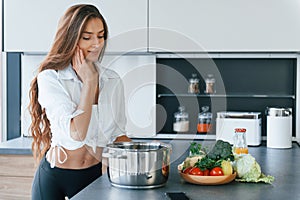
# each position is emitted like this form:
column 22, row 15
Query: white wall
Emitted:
column 30, row 64
column 138, row 73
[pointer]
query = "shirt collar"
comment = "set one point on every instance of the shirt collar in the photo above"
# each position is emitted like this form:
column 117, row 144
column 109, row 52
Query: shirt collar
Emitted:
column 67, row 74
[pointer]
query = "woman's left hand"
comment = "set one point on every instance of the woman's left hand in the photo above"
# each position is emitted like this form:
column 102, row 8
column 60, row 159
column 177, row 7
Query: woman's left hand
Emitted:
column 123, row 138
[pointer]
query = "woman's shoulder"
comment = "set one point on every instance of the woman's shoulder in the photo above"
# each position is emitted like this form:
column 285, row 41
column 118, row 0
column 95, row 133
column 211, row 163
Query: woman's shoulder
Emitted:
column 47, row 74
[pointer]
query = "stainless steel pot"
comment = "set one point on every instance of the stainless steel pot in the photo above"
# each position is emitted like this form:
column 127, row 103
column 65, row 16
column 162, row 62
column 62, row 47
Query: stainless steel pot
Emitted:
column 138, row 165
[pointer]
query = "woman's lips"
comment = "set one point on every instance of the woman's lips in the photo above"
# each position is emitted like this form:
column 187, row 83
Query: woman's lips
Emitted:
column 93, row 52
column 93, row 55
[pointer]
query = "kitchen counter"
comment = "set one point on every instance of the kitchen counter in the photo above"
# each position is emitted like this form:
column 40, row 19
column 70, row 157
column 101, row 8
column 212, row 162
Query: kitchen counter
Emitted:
column 283, row 164
column 17, row 146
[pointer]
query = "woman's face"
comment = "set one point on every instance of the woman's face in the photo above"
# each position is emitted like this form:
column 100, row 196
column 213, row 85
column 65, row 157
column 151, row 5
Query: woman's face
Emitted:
column 92, row 39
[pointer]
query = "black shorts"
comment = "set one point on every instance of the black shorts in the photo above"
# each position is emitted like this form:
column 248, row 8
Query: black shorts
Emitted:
column 56, row 183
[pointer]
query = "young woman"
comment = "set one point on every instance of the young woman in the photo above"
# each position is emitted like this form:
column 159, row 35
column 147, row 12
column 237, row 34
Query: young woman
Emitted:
column 77, row 107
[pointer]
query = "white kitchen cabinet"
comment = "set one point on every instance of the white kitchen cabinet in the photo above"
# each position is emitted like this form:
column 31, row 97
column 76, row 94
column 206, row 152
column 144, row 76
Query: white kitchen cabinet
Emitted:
column 138, row 73
column 29, row 26
column 224, row 26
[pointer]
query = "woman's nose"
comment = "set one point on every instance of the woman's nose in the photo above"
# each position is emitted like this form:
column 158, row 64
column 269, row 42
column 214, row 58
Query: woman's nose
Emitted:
column 96, row 43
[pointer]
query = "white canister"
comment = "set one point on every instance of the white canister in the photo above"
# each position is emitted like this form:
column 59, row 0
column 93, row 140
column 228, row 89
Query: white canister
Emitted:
column 279, row 127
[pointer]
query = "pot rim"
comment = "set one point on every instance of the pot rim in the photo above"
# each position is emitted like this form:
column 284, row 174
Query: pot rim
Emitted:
column 158, row 145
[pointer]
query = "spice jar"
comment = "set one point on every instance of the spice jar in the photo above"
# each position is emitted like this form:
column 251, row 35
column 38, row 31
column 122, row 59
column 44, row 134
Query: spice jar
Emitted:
column 240, row 144
column 181, row 120
column 210, row 84
column 194, row 85
column 204, row 120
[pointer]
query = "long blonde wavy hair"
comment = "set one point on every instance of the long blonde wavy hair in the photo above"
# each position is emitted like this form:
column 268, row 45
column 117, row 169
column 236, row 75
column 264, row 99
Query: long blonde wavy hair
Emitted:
column 70, row 27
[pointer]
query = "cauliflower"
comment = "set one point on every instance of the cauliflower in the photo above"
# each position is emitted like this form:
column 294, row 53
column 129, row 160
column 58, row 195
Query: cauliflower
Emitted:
column 190, row 161
column 248, row 170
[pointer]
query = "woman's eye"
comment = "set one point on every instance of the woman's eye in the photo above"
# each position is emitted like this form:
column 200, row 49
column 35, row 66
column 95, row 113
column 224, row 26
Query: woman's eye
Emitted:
column 101, row 36
column 85, row 38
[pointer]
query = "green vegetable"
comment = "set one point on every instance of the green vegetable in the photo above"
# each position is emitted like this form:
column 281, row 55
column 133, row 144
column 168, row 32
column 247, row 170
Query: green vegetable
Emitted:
column 196, row 154
column 207, row 163
column 248, row 170
column 222, row 150
column 196, row 149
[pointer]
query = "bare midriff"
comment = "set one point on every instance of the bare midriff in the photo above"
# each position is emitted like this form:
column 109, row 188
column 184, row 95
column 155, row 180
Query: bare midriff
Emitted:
column 81, row 158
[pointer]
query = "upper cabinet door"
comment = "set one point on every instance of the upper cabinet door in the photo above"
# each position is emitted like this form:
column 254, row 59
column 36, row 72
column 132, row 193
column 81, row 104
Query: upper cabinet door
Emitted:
column 231, row 25
column 127, row 23
column 30, row 26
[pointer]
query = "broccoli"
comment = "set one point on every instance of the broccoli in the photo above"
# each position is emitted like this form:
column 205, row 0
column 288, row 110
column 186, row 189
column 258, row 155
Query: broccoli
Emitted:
column 222, row 150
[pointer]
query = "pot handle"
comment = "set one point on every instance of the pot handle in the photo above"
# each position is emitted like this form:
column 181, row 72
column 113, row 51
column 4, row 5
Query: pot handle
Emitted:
column 148, row 175
column 110, row 155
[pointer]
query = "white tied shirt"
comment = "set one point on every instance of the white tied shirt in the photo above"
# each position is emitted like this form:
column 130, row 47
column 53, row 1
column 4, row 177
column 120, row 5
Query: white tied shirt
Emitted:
column 59, row 93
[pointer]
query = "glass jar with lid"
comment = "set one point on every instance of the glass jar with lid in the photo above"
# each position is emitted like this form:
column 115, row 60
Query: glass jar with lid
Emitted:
column 181, row 120
column 194, row 85
column 239, row 141
column 210, row 82
column 204, row 120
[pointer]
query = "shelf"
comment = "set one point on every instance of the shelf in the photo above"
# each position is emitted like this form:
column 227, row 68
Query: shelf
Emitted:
column 185, row 136
column 227, row 96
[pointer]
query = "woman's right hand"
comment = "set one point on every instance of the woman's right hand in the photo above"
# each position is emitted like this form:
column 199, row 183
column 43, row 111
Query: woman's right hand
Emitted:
column 85, row 69
column 87, row 72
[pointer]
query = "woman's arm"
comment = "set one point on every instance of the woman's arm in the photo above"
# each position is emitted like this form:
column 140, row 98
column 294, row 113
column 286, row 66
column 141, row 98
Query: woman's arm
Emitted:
column 88, row 74
column 80, row 123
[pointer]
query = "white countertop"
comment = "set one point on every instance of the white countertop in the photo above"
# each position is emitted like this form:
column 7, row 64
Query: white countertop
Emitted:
column 21, row 145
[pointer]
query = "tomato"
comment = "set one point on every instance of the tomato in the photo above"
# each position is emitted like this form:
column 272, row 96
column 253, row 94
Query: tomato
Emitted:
column 206, row 172
column 187, row 170
column 216, row 171
column 196, row 171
